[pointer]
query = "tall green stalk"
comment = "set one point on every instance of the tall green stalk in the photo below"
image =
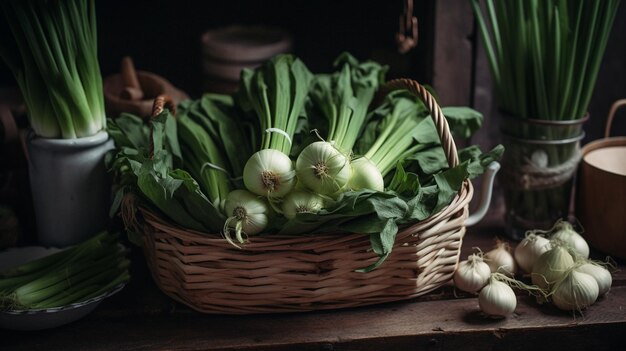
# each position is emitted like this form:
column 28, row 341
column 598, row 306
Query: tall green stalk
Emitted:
column 86, row 270
column 545, row 54
column 276, row 93
column 51, row 48
column 343, row 98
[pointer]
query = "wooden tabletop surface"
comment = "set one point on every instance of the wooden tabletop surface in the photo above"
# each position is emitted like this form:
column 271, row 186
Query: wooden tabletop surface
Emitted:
column 142, row 318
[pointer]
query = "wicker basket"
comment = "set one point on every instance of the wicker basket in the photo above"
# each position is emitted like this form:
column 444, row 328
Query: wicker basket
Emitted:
column 275, row 273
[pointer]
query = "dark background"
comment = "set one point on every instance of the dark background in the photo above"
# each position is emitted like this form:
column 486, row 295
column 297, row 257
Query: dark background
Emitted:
column 164, row 37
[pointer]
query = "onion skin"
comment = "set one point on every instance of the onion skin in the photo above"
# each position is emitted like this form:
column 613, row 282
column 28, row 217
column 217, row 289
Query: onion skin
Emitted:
column 500, row 259
column 275, row 163
column 550, row 267
column 575, row 292
column 497, row 299
column 365, row 175
column 256, row 210
column 600, row 274
column 471, row 275
column 323, row 169
column 564, row 231
column 528, row 250
column 301, row 202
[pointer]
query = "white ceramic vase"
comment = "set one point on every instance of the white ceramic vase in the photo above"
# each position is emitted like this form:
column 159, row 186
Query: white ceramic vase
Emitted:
column 70, row 187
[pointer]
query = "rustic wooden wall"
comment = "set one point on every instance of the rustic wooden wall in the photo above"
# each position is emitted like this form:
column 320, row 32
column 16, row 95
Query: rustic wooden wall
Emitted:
column 453, row 52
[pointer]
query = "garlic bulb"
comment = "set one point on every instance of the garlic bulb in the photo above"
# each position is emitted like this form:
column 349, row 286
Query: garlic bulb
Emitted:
column 529, row 249
column 564, row 232
column 575, row 291
column 472, row 274
column 550, row 266
column 500, row 259
column 600, row 274
column 497, row 299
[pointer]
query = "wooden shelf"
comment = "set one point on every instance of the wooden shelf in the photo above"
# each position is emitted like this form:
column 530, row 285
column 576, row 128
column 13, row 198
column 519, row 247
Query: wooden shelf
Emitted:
column 142, row 318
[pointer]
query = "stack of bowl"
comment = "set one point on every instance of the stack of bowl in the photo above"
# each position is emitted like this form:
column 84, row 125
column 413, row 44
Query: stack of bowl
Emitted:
column 227, row 51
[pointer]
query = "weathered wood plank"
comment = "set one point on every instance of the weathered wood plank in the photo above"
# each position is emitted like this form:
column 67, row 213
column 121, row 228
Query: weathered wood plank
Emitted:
column 453, row 52
column 142, row 318
column 438, row 324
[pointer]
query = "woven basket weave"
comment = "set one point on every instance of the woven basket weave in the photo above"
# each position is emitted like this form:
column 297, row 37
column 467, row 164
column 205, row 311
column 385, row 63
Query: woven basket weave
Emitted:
column 277, row 273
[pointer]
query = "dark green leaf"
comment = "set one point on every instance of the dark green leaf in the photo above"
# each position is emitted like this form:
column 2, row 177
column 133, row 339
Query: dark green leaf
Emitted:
column 160, row 192
column 463, row 121
column 477, row 161
column 386, row 239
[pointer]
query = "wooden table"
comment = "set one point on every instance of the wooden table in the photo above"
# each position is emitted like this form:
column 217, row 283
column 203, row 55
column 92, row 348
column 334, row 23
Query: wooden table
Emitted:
column 142, row 318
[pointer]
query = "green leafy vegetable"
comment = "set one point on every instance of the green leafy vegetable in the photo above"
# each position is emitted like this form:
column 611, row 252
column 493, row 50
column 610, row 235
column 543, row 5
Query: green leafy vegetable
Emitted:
column 220, row 120
column 342, row 98
column 406, row 201
column 276, row 93
column 86, row 270
column 51, row 47
column 463, row 121
column 398, row 128
column 398, row 136
column 158, row 179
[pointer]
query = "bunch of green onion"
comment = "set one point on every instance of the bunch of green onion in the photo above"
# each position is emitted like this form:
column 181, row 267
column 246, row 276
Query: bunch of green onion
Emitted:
column 545, row 55
column 312, row 154
column 275, row 94
column 212, row 144
column 326, row 168
column 51, row 48
column 342, row 98
column 77, row 274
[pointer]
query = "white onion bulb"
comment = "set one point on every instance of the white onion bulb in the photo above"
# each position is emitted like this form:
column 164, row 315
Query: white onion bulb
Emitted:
column 566, row 233
column 550, row 267
column 575, row 291
column 500, row 259
column 529, row 249
column 497, row 299
column 322, row 168
column 365, row 175
column 471, row 275
column 269, row 173
column 600, row 274
column 301, row 202
column 247, row 214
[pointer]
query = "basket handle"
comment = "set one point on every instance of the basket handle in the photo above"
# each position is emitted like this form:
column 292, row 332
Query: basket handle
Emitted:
column 609, row 120
column 160, row 103
column 443, row 130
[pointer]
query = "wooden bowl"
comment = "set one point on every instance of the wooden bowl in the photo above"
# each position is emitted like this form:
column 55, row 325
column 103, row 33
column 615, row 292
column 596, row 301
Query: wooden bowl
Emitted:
column 601, row 194
column 245, row 44
column 152, row 85
column 601, row 191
